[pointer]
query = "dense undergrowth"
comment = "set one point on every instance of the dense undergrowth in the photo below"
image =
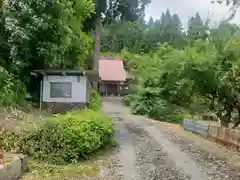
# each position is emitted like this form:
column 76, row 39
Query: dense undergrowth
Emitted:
column 202, row 77
column 62, row 138
column 95, row 100
column 12, row 91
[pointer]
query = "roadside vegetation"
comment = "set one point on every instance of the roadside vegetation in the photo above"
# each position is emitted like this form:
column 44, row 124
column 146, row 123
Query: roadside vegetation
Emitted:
column 86, row 169
column 202, row 77
column 95, row 100
column 53, row 35
column 63, row 145
column 63, row 138
column 177, row 71
column 180, row 71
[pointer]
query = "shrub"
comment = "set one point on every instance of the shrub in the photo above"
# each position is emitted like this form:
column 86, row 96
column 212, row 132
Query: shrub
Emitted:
column 95, row 100
column 64, row 138
column 167, row 112
column 12, row 91
column 127, row 100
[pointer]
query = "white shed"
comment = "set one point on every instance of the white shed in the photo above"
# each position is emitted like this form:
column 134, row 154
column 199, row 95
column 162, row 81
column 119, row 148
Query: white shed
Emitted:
column 64, row 90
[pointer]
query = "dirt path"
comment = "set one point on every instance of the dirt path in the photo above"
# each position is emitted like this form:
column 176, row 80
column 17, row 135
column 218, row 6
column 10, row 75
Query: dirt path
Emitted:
column 152, row 152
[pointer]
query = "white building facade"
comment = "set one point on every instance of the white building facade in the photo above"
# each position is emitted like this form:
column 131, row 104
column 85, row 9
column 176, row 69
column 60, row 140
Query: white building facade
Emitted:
column 62, row 91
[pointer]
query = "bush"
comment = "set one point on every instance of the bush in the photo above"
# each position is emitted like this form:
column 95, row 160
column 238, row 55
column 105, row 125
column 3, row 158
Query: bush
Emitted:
column 158, row 110
column 12, row 91
column 127, row 100
column 95, row 100
column 64, row 138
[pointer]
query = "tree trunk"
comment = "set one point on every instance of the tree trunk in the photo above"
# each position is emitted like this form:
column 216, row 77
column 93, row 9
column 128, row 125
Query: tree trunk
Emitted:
column 97, row 50
column 225, row 117
column 237, row 119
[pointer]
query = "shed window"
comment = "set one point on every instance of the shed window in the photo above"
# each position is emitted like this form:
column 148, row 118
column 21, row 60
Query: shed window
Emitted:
column 60, row 90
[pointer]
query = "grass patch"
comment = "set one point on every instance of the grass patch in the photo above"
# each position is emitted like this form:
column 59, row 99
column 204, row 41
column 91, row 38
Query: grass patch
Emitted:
column 40, row 170
column 45, row 171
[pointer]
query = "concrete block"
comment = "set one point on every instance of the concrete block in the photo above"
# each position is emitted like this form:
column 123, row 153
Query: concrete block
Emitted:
column 14, row 169
column 3, row 172
column 24, row 160
column 197, row 127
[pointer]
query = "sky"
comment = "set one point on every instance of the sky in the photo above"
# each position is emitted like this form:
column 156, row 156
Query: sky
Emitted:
column 188, row 8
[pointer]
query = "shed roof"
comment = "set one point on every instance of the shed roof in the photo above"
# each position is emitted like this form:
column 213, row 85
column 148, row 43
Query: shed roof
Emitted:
column 110, row 58
column 92, row 75
column 59, row 72
column 112, row 69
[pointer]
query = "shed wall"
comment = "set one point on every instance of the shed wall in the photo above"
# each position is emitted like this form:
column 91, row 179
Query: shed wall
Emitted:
column 79, row 89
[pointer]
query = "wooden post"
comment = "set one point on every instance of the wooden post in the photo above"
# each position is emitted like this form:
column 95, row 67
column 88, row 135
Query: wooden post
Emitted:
column 1, row 157
column 41, row 96
column 106, row 89
column 118, row 87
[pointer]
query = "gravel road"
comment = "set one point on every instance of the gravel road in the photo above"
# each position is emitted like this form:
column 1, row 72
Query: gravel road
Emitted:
column 145, row 153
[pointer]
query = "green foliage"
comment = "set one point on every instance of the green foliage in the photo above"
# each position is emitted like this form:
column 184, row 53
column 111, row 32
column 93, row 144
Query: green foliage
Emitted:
column 64, row 138
column 139, row 37
column 201, row 77
column 123, row 35
column 43, row 17
column 95, row 100
column 43, row 34
column 196, row 28
column 127, row 100
column 191, row 72
column 170, row 73
column 167, row 112
column 112, row 11
column 12, row 90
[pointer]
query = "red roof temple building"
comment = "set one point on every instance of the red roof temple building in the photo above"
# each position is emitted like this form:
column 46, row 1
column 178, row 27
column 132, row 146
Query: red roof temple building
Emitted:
column 113, row 76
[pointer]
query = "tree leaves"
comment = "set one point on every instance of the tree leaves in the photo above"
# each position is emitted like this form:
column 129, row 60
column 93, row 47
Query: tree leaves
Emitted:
column 201, row 77
column 139, row 37
column 44, row 34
